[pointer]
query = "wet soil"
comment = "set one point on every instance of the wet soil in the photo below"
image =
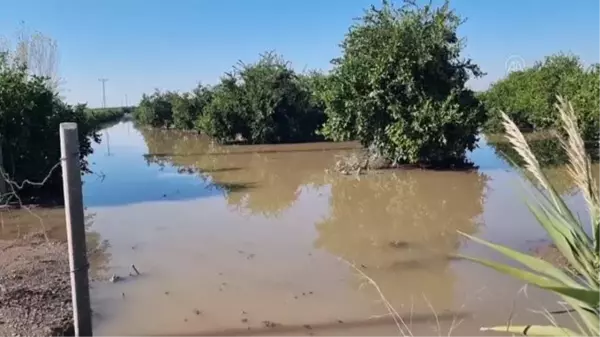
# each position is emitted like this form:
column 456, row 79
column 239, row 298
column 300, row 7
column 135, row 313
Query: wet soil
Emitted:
column 35, row 292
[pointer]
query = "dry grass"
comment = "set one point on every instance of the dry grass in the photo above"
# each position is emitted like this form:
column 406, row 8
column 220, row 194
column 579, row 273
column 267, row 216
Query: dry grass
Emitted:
column 405, row 328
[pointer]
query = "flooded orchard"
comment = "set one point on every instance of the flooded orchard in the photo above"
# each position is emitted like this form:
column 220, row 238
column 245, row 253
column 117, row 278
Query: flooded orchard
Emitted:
column 242, row 240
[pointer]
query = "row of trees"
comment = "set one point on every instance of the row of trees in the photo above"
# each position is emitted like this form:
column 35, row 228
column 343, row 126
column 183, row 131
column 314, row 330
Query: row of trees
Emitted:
column 30, row 114
column 399, row 88
column 31, row 109
column 263, row 102
column 529, row 96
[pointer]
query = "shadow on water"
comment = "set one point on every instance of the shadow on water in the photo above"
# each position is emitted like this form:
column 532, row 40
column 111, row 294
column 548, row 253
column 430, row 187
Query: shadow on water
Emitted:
column 123, row 174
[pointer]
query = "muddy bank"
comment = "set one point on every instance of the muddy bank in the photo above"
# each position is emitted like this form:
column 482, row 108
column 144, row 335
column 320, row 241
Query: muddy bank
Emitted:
column 35, row 292
column 361, row 160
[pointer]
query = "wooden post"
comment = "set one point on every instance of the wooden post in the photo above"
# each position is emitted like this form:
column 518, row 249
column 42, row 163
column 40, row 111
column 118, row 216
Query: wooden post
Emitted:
column 78, row 264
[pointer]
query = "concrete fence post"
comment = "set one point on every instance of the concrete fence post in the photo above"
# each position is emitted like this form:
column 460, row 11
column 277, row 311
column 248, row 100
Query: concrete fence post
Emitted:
column 78, row 264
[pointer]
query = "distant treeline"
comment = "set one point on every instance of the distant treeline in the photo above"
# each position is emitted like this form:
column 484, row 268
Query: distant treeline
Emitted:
column 399, row 87
column 31, row 111
column 102, row 116
column 264, row 102
column 528, row 96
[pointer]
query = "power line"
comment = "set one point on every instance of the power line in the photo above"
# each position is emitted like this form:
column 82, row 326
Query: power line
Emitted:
column 103, row 80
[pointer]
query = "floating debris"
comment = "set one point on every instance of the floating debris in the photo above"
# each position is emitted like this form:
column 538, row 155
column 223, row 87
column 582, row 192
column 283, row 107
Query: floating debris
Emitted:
column 340, row 321
column 115, row 278
column 135, row 269
column 269, row 324
column 244, row 320
column 197, row 312
column 167, row 293
column 307, row 326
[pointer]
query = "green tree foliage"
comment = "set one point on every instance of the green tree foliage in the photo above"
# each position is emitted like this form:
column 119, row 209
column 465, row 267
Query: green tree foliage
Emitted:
column 399, row 86
column 183, row 112
column 103, row 116
column 173, row 110
column 30, row 114
column 156, row 110
column 315, row 83
column 263, row 102
column 528, row 96
column 188, row 107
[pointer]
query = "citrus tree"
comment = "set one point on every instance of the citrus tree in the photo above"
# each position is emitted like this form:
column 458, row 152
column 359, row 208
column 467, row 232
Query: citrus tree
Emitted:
column 263, row 102
column 399, row 86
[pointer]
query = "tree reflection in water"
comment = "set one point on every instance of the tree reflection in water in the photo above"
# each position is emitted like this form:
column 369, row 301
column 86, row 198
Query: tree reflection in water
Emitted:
column 552, row 158
column 401, row 225
column 402, row 228
column 271, row 175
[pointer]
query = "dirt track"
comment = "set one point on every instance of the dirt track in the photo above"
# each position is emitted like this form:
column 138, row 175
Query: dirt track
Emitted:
column 35, row 293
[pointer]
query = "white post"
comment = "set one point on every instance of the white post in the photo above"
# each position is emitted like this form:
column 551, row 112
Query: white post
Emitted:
column 69, row 149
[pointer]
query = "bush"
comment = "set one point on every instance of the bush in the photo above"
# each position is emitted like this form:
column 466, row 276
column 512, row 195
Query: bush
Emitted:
column 98, row 118
column 315, row 83
column 528, row 96
column 155, row 110
column 30, row 114
column 188, row 107
column 264, row 102
column 400, row 87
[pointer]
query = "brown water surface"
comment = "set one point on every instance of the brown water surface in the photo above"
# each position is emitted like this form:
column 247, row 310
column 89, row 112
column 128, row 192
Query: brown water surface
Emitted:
column 229, row 237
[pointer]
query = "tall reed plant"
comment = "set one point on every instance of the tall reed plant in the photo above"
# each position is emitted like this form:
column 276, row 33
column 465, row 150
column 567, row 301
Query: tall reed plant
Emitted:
column 578, row 285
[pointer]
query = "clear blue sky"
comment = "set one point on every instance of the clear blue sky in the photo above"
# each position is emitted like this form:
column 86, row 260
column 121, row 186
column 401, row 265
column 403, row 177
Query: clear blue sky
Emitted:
column 140, row 45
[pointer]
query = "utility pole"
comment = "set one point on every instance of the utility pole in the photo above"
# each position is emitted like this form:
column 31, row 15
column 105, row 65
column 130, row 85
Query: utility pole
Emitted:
column 103, row 80
column 126, row 102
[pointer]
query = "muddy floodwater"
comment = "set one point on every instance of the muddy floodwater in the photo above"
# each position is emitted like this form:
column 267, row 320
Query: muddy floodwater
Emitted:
column 256, row 240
